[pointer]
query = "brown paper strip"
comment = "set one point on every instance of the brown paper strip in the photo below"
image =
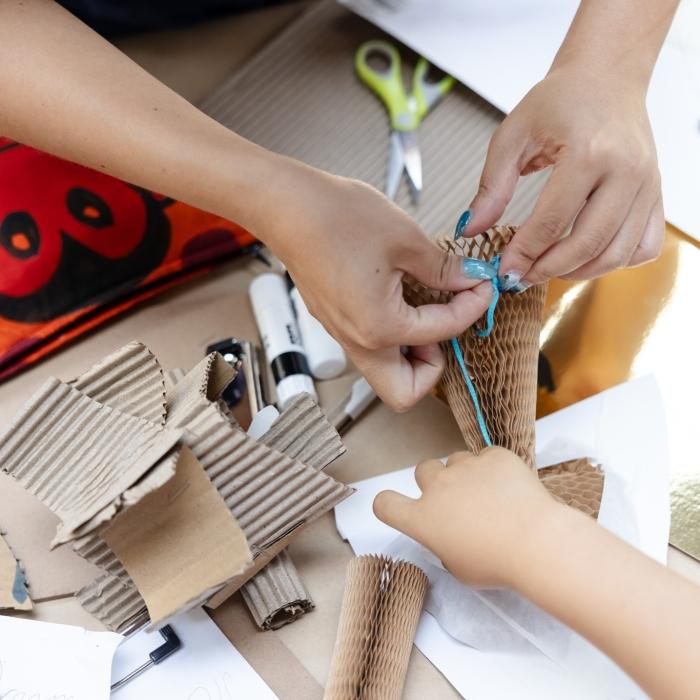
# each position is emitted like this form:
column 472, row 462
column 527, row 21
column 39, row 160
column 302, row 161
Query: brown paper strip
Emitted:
column 179, row 543
column 13, row 587
column 503, row 366
column 130, row 380
column 79, row 456
column 303, row 432
column 381, row 606
column 577, row 483
column 276, row 595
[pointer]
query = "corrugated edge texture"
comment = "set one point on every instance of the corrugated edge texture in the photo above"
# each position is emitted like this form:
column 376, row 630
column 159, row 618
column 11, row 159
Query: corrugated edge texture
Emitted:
column 276, row 595
column 303, row 432
column 79, row 456
column 113, row 600
column 130, row 379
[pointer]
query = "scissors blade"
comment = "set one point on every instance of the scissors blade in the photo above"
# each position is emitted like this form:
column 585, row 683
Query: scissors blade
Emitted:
column 394, row 166
column 412, row 162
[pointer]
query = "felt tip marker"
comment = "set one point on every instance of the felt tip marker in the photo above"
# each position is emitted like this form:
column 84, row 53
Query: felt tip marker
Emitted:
column 280, row 337
column 361, row 396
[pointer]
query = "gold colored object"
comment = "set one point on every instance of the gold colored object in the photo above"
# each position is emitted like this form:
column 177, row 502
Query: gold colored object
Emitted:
column 632, row 322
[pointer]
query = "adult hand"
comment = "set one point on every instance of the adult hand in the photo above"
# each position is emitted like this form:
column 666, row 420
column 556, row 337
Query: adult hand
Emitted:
column 604, row 183
column 347, row 248
column 480, row 514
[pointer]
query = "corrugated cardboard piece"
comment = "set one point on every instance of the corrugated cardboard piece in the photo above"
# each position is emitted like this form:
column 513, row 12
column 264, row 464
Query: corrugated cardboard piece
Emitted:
column 13, row 587
column 159, row 488
column 381, row 606
column 199, row 543
column 276, row 595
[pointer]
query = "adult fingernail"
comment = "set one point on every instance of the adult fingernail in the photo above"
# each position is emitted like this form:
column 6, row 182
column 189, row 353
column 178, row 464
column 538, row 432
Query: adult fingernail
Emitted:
column 462, row 224
column 478, row 269
column 513, row 281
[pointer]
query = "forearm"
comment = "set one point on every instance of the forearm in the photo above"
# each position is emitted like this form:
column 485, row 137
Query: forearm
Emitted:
column 621, row 38
column 67, row 91
column 642, row 615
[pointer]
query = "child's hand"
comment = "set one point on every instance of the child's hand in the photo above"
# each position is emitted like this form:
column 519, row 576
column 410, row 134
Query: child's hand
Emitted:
column 480, row 514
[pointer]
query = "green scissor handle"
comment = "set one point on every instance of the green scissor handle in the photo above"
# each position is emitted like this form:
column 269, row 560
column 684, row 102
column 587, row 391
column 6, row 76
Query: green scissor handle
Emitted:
column 388, row 84
column 426, row 94
column 405, row 111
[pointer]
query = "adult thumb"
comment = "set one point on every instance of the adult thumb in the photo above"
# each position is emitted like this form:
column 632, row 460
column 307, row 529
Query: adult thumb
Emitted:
column 498, row 180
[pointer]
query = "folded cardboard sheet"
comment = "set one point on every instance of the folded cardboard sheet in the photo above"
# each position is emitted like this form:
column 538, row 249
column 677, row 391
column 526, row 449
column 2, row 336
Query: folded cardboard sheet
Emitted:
column 381, row 605
column 199, row 543
column 159, row 488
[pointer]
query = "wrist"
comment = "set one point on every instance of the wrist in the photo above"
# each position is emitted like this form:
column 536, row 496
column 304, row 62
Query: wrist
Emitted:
column 543, row 540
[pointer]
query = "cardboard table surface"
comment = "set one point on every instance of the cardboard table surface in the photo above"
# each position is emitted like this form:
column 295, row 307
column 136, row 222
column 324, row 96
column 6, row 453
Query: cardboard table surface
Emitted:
column 591, row 337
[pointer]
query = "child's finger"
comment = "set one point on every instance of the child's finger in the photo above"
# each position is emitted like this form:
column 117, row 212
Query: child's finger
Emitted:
column 396, row 510
column 426, row 471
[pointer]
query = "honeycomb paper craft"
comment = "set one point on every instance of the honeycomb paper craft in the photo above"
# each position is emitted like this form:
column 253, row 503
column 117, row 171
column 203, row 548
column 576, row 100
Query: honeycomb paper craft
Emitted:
column 382, row 602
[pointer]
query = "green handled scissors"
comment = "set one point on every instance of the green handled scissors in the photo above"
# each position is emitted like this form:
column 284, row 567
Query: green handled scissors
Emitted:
column 406, row 112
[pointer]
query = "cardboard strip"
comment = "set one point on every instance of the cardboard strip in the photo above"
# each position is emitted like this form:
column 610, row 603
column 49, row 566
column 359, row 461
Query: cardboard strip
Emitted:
column 178, row 543
column 577, row 483
column 382, row 602
column 131, row 380
column 79, row 456
column 112, row 600
column 303, row 432
column 503, row 365
column 276, row 595
column 13, row 586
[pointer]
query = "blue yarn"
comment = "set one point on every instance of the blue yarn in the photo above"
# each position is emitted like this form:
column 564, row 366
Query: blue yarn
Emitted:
column 472, row 392
column 482, row 333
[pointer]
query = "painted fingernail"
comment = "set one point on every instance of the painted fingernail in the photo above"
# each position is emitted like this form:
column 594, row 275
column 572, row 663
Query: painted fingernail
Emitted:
column 512, row 282
column 462, row 224
column 478, row 269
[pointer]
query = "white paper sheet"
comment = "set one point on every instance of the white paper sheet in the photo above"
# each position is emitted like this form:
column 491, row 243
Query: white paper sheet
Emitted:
column 625, row 428
column 43, row 660
column 501, row 49
column 207, row 667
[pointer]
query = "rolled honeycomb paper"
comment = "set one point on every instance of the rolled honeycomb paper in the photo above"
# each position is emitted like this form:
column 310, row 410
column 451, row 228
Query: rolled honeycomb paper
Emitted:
column 577, row 483
column 503, row 365
column 381, row 605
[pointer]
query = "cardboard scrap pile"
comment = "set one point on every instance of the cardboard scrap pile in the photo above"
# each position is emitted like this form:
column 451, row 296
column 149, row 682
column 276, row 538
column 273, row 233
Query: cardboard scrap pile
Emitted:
column 503, row 368
column 160, row 489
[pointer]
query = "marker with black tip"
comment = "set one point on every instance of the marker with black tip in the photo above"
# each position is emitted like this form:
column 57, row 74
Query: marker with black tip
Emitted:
column 280, row 337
